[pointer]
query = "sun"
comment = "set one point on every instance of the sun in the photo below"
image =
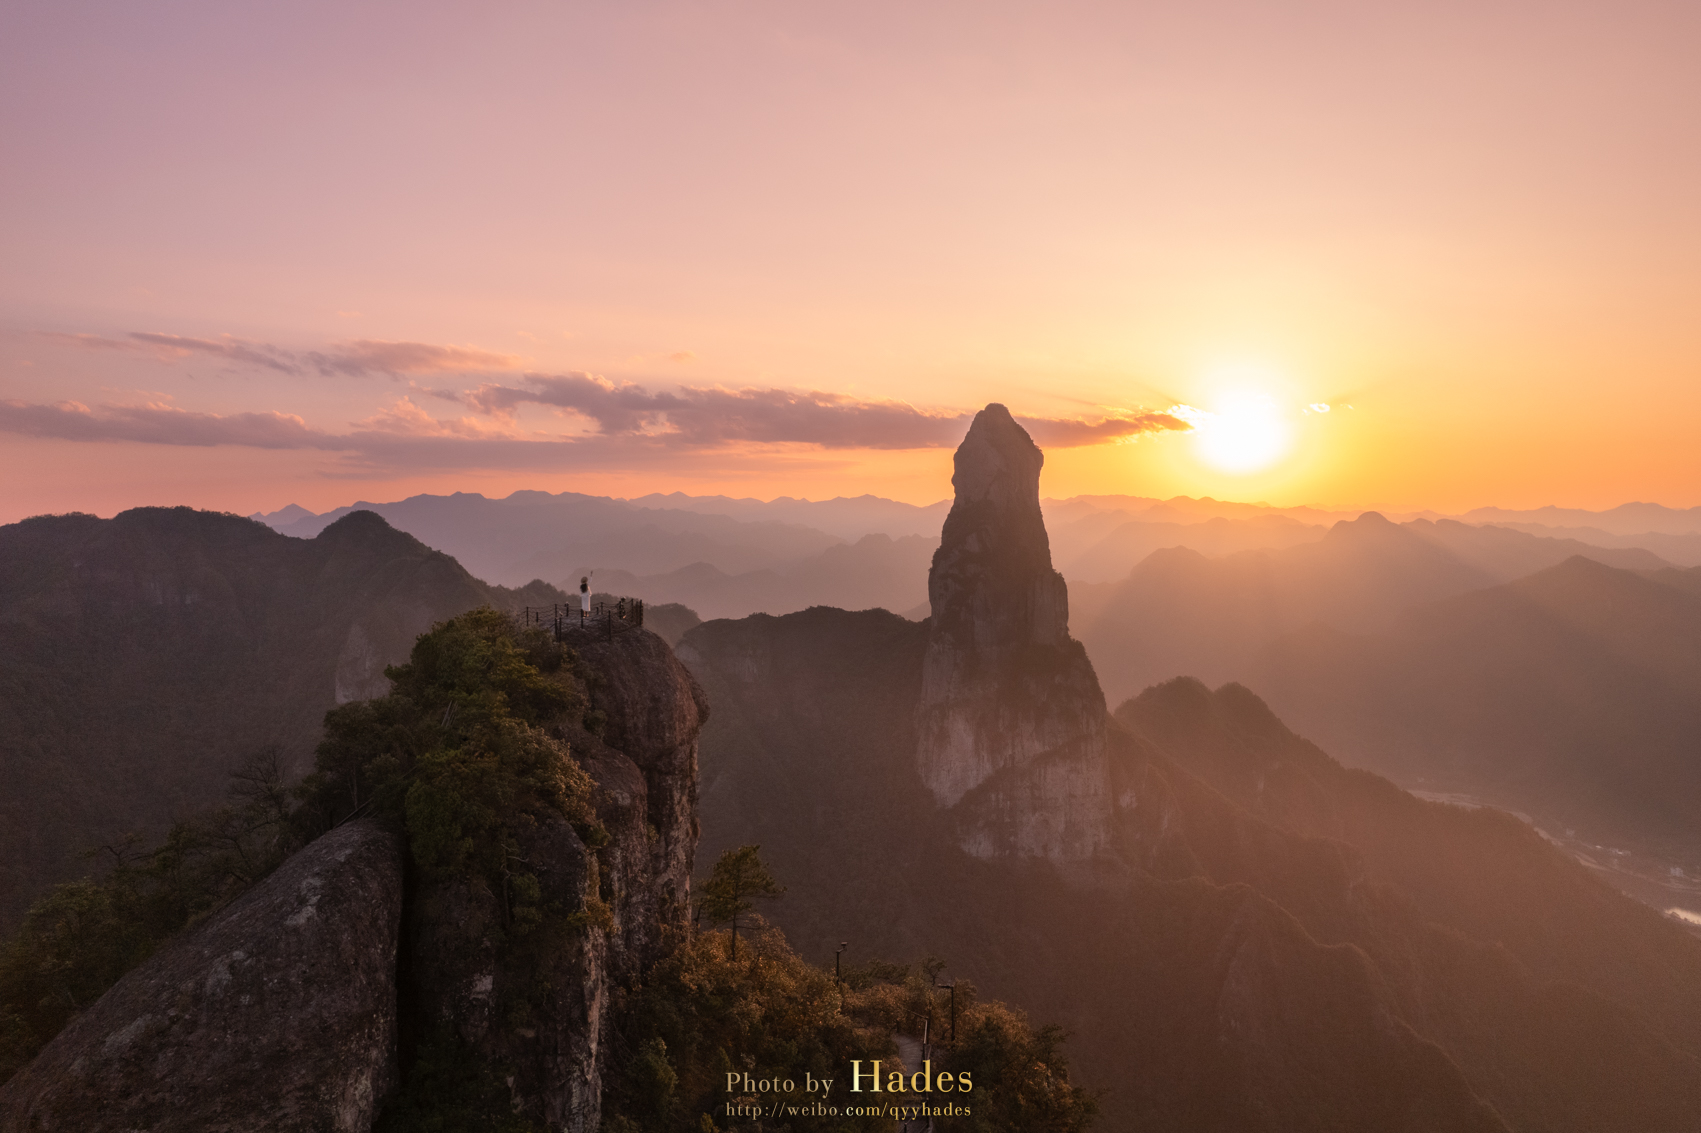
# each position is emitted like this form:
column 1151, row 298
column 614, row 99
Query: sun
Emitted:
column 1245, row 432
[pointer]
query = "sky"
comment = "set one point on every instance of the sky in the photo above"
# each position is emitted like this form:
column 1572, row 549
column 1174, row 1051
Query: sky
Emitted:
column 1424, row 255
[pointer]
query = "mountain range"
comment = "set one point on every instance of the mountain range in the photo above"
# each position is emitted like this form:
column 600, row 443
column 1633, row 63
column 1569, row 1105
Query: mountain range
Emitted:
column 1241, row 933
column 1574, row 693
column 145, row 657
column 1181, row 612
column 1095, row 539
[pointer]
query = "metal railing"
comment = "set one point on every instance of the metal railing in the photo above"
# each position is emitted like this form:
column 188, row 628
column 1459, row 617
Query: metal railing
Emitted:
column 611, row 617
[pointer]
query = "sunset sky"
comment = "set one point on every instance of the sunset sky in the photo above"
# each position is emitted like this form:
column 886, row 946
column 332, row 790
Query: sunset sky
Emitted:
column 269, row 253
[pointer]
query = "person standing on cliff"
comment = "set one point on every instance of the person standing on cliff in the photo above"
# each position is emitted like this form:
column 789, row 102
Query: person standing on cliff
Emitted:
column 584, row 597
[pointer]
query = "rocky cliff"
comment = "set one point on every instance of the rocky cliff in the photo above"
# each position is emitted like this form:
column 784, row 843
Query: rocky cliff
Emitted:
column 279, row 1014
column 541, row 1012
column 1011, row 721
column 356, row 966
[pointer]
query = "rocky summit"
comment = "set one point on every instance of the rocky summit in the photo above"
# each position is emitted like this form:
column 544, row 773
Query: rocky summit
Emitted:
column 1011, row 728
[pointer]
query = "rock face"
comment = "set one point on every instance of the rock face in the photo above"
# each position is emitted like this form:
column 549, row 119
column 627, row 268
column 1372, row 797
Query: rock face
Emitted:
column 539, row 1009
column 533, row 1007
column 1012, row 721
column 277, row 1014
column 645, row 766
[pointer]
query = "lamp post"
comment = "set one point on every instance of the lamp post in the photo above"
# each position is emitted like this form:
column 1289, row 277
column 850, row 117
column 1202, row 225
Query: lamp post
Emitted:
column 952, row 987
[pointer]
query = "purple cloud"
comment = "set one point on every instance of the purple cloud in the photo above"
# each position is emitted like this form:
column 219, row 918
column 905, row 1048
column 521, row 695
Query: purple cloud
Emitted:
column 228, row 347
column 352, row 359
column 162, row 425
column 371, row 356
column 708, row 417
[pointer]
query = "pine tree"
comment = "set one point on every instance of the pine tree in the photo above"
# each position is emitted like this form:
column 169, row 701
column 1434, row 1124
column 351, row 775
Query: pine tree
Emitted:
column 738, row 876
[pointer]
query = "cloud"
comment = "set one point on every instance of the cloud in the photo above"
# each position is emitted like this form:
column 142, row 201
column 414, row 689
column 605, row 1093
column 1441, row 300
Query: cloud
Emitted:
column 227, row 347
column 372, row 356
column 706, row 417
column 1053, row 432
column 406, row 419
column 162, row 425
column 359, row 358
column 171, row 346
column 633, row 427
column 691, row 418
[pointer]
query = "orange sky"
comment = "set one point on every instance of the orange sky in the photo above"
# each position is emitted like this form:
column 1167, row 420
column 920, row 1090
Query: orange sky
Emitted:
column 221, row 228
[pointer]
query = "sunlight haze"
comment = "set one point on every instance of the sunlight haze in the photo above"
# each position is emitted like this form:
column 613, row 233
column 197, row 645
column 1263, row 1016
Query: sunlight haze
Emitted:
column 262, row 255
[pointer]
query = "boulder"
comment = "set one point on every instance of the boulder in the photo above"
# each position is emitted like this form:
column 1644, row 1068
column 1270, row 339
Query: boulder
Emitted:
column 278, row 1013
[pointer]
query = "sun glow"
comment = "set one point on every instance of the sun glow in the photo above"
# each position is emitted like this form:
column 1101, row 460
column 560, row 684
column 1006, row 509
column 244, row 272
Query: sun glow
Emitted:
column 1245, row 432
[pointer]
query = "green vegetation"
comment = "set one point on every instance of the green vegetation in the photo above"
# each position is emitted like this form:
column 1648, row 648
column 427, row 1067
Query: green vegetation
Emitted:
column 457, row 754
column 738, row 876
column 702, row 1015
column 79, row 939
column 463, row 755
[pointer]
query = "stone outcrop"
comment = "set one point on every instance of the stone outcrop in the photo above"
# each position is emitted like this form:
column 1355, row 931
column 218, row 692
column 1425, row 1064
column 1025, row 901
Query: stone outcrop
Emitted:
column 277, row 1014
column 645, row 765
column 283, row 1011
column 540, row 1010
column 532, row 1007
column 1012, row 722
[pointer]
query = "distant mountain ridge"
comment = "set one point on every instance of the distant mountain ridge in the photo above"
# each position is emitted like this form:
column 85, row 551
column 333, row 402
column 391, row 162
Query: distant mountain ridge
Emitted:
column 875, row 571
column 1574, row 692
column 845, row 517
column 529, row 535
column 1273, row 942
column 1095, row 539
column 1291, row 946
column 1179, row 612
column 1241, row 933
column 144, row 657
column 1625, row 519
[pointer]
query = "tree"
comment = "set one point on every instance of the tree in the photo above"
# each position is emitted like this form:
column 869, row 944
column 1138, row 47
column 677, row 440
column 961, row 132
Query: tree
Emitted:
column 738, row 876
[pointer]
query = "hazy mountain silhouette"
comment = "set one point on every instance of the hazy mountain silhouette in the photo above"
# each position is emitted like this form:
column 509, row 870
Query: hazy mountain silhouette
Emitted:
column 845, row 517
column 1179, row 612
column 1681, row 548
column 1688, row 581
column 1575, row 691
column 538, row 535
column 1278, row 944
column 143, row 657
column 1672, row 533
column 1111, row 557
column 874, row 571
column 1096, row 538
column 1260, row 940
column 1242, row 934
column 1505, row 554
column 1625, row 519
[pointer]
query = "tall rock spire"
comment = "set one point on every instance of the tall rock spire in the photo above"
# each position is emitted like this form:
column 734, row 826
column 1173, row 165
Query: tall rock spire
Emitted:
column 1012, row 724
